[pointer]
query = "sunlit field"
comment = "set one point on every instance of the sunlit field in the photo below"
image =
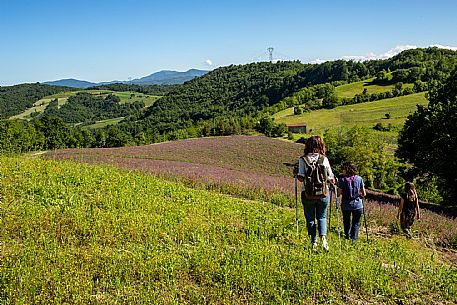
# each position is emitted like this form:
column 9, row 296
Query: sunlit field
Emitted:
column 79, row 234
column 364, row 114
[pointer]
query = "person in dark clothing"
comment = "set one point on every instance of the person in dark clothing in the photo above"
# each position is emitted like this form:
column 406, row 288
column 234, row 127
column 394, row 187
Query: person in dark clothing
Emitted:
column 408, row 209
column 352, row 189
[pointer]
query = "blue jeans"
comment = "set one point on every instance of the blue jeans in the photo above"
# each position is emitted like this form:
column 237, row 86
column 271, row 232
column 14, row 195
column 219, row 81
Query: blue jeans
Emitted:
column 315, row 209
column 351, row 229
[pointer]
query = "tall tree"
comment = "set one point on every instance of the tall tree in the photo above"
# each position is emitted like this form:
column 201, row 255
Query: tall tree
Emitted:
column 429, row 137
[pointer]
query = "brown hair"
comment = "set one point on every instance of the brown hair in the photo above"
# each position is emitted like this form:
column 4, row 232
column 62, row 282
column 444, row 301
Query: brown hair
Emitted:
column 350, row 168
column 315, row 144
column 410, row 190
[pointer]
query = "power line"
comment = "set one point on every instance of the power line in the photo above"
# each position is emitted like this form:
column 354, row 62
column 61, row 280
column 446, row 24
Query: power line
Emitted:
column 270, row 51
column 270, row 56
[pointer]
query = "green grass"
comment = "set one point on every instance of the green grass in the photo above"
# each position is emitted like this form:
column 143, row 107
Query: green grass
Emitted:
column 364, row 114
column 126, row 97
column 104, row 123
column 78, row 234
column 39, row 106
column 350, row 90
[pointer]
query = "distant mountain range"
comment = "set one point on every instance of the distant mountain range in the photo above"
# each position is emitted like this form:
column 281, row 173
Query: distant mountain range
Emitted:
column 164, row 77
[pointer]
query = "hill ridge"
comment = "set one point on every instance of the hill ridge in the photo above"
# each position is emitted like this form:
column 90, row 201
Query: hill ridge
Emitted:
column 163, row 77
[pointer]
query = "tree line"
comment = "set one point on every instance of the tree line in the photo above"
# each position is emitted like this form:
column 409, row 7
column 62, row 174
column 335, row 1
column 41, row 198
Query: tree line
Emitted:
column 428, row 140
column 16, row 99
column 87, row 108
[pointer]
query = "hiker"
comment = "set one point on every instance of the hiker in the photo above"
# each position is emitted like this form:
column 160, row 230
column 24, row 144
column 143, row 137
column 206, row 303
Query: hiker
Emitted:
column 315, row 172
column 351, row 189
column 408, row 208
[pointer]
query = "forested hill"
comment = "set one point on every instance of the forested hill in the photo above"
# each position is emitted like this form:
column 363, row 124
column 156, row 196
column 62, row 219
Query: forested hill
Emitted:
column 15, row 99
column 227, row 95
column 228, row 91
column 239, row 90
column 71, row 82
column 408, row 66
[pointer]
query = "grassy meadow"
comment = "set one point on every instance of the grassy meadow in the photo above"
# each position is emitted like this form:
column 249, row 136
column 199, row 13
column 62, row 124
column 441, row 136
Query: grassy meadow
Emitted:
column 104, row 123
column 363, row 114
column 248, row 167
column 130, row 97
column 351, row 89
column 84, row 234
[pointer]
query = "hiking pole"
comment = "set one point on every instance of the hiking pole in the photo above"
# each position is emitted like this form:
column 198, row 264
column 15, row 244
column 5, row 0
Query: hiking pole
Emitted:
column 330, row 215
column 295, row 166
column 365, row 218
column 296, row 203
column 337, row 214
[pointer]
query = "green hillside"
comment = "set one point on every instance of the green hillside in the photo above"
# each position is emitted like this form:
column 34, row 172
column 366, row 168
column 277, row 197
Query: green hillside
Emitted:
column 233, row 91
column 77, row 234
column 16, row 99
column 41, row 104
column 237, row 99
column 351, row 89
column 125, row 97
column 364, row 114
column 104, row 123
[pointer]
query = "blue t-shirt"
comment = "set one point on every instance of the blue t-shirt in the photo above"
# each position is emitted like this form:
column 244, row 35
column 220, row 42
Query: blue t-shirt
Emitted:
column 348, row 203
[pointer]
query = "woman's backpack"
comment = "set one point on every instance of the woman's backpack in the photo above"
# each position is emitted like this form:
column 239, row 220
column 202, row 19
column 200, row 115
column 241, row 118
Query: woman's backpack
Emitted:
column 351, row 190
column 315, row 178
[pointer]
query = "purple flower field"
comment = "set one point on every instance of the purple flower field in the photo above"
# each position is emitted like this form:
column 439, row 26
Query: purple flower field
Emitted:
column 432, row 228
column 242, row 163
column 251, row 167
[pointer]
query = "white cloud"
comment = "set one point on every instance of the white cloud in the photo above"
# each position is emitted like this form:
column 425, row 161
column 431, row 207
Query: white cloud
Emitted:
column 388, row 54
column 318, row 61
column 444, row 47
column 397, row 50
column 369, row 56
column 373, row 56
column 209, row 62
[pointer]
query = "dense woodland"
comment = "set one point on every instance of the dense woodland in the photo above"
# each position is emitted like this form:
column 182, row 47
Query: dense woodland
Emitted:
column 240, row 98
column 16, row 99
column 429, row 139
column 86, row 108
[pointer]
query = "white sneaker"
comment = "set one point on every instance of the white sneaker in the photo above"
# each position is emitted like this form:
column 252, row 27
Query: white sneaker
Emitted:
column 314, row 246
column 324, row 243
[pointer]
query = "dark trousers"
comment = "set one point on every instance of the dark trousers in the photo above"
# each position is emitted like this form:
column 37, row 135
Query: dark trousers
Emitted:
column 351, row 226
column 406, row 221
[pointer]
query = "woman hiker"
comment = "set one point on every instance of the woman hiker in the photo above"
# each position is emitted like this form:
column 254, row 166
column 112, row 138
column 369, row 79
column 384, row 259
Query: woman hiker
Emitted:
column 352, row 189
column 408, row 208
column 315, row 172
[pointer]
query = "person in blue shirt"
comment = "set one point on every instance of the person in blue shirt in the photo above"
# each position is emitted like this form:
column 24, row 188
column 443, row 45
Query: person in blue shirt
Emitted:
column 351, row 188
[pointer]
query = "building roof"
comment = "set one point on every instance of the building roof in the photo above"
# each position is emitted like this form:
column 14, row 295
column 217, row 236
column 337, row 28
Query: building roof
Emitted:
column 296, row 125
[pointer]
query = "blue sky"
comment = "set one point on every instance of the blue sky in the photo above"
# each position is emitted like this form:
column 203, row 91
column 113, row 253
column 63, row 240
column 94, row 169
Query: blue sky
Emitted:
column 103, row 40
